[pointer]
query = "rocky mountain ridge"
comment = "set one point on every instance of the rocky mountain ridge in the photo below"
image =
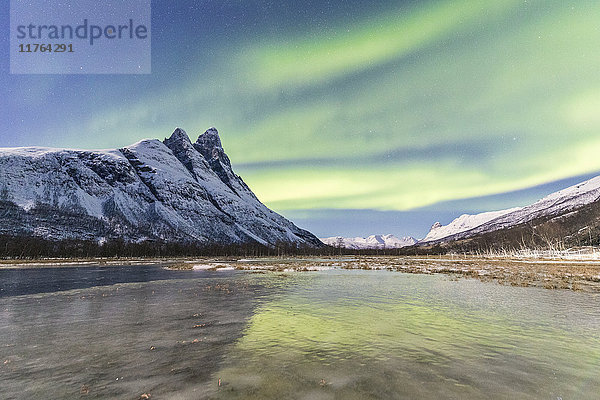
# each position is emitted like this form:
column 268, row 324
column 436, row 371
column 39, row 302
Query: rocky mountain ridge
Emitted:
column 569, row 217
column 170, row 191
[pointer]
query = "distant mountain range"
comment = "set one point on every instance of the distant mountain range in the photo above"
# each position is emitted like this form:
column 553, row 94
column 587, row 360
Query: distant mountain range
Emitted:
column 370, row 242
column 169, row 191
column 568, row 217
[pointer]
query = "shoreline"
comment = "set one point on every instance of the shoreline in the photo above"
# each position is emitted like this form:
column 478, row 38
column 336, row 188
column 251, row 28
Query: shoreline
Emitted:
column 577, row 275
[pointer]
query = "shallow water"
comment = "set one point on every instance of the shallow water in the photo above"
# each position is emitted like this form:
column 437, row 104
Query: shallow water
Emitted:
column 309, row 335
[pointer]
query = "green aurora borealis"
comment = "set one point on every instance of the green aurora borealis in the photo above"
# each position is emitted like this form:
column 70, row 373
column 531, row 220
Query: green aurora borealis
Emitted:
column 389, row 107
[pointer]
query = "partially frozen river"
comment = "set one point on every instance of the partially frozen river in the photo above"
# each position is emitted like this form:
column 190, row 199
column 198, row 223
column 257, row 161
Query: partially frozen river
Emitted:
column 125, row 331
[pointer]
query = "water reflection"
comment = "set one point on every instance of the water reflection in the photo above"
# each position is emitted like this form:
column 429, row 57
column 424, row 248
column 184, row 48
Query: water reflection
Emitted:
column 316, row 335
column 387, row 335
column 161, row 337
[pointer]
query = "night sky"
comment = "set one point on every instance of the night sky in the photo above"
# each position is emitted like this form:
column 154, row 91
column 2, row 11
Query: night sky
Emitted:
column 350, row 117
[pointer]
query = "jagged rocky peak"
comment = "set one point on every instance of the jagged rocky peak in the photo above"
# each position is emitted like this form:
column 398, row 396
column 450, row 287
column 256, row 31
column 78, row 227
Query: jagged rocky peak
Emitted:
column 210, row 138
column 178, row 136
column 437, row 225
column 180, row 144
column 209, row 144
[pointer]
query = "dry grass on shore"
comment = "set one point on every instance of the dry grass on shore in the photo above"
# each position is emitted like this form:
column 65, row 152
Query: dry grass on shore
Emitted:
column 572, row 274
column 550, row 274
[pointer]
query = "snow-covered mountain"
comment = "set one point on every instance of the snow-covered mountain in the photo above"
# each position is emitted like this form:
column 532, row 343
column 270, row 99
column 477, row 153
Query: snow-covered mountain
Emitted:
column 173, row 191
column 370, row 242
column 557, row 204
column 463, row 223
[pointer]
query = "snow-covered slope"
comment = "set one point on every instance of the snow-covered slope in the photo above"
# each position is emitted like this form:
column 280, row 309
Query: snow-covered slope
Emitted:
column 558, row 203
column 370, row 242
column 463, row 223
column 170, row 191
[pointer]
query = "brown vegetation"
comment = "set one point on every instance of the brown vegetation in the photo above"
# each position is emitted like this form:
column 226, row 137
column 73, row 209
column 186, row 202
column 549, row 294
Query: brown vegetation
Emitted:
column 545, row 273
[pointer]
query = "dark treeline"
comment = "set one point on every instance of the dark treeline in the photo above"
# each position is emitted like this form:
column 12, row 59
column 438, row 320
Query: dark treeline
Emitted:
column 32, row 248
column 16, row 247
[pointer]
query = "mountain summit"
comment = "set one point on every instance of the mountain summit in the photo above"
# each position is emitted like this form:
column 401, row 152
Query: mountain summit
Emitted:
column 170, row 191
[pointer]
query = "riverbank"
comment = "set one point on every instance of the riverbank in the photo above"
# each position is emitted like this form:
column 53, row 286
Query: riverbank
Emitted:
column 572, row 274
column 531, row 272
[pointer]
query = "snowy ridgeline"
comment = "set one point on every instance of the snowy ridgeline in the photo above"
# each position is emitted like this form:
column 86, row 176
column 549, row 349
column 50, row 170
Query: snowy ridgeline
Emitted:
column 558, row 203
column 463, row 223
column 370, row 242
column 465, row 226
column 172, row 190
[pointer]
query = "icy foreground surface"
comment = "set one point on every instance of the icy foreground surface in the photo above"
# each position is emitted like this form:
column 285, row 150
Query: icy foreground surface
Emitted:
column 173, row 190
column 370, row 242
column 557, row 203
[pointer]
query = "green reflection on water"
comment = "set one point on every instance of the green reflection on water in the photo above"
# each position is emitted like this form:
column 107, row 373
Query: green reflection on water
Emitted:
column 389, row 335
